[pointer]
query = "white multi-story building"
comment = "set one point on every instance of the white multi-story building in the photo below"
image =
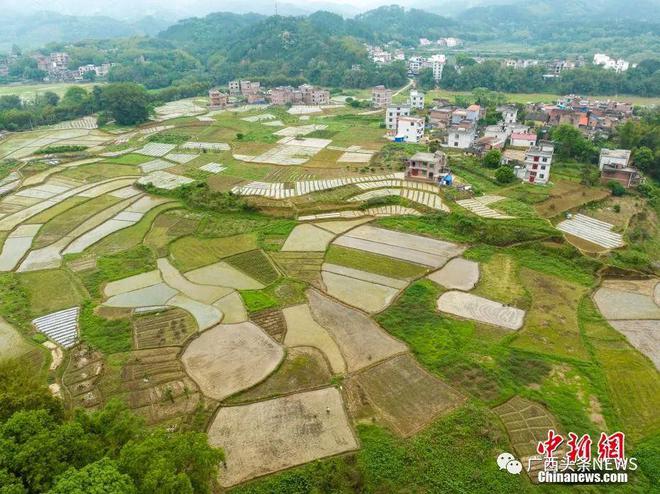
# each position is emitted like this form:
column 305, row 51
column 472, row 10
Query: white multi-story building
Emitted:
column 618, row 65
column 415, row 64
column 410, row 129
column 416, row 100
column 393, row 114
column 461, row 136
column 538, row 160
column 437, row 64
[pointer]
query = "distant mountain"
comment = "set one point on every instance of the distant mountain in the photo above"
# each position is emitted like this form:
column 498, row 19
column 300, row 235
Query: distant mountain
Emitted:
column 394, row 22
column 35, row 30
column 529, row 12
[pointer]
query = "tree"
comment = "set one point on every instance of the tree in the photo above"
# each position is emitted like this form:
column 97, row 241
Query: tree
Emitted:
column 171, row 463
column 425, row 79
column 616, row 188
column 493, row 158
column 101, row 477
column 644, row 158
column 571, row 144
column 504, row 175
column 21, row 389
column 128, row 103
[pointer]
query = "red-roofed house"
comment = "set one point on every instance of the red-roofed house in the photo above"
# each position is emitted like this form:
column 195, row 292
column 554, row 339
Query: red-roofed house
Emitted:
column 522, row 140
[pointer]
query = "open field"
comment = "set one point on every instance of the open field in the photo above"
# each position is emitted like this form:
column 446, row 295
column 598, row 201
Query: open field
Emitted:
column 231, row 358
column 406, row 397
column 257, row 442
column 28, row 91
column 360, row 339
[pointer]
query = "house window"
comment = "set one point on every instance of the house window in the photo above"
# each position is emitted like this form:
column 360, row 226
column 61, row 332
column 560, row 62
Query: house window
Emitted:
column 536, row 158
column 456, row 144
column 545, row 160
column 542, row 167
column 541, row 175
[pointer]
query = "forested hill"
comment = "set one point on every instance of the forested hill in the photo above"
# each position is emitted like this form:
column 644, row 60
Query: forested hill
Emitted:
column 323, row 48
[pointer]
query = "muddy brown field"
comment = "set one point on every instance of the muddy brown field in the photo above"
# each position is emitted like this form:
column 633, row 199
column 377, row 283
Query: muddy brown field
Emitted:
column 405, row 396
column 257, row 441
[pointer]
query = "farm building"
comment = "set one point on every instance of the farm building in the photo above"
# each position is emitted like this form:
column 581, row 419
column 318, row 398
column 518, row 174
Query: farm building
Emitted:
column 427, row 166
column 615, row 166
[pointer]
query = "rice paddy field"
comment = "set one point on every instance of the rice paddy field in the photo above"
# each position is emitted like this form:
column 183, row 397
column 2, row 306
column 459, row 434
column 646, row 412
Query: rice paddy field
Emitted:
column 329, row 344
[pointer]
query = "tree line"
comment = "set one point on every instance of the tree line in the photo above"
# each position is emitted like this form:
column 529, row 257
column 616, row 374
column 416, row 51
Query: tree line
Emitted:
column 643, row 80
column 126, row 103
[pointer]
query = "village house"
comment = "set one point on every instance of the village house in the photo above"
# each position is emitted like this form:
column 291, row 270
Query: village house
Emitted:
column 416, row 100
column 522, row 140
column 304, row 94
column 474, row 113
column 509, row 114
column 440, row 117
column 381, row 97
column 409, row 129
column 393, row 113
column 249, row 87
column 618, row 65
column 461, row 136
column 217, row 99
column 458, row 115
column 234, row 88
column 427, row 166
column 615, row 165
column 536, row 167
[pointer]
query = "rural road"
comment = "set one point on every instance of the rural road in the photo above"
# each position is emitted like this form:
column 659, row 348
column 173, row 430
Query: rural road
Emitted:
column 410, row 83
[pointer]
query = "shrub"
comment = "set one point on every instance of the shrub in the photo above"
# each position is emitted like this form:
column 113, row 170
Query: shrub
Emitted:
column 504, row 175
column 616, row 188
column 492, row 158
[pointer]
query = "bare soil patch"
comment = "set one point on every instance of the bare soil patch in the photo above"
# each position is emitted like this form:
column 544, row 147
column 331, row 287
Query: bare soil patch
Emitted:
column 308, row 237
column 304, row 368
column 619, row 304
column 361, row 341
column 405, row 396
column 457, row 274
column 257, row 441
column 303, row 330
column 230, row 358
column 481, row 309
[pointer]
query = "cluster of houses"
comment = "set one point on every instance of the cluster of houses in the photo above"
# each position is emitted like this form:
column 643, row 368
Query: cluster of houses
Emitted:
column 56, row 66
column 252, row 93
column 592, row 117
column 615, row 64
column 448, row 42
column 384, row 56
column 522, row 146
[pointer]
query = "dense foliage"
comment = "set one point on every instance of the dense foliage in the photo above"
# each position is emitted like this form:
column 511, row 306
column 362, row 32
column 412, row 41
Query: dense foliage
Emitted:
column 643, row 79
column 106, row 451
column 125, row 103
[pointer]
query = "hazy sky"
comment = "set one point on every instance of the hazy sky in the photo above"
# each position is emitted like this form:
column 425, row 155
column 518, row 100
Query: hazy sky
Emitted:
column 183, row 8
